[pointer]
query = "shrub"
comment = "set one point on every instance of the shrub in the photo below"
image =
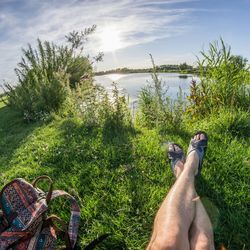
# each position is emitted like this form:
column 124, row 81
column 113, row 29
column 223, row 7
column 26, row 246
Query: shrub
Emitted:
column 99, row 108
column 224, row 81
column 88, row 98
column 48, row 75
column 37, row 97
column 157, row 110
column 234, row 122
column 115, row 113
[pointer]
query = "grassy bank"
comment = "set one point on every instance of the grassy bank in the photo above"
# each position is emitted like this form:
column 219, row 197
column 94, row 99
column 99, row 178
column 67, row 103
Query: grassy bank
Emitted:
column 120, row 181
column 72, row 130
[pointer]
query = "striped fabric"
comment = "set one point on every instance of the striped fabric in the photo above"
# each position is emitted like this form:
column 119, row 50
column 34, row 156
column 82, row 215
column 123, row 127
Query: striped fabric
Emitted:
column 24, row 224
column 75, row 215
column 22, row 207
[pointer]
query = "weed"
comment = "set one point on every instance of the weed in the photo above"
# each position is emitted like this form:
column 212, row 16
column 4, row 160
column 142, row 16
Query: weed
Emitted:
column 48, row 75
column 156, row 109
column 224, row 82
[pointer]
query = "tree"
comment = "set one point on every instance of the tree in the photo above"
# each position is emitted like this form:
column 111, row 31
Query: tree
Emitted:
column 239, row 61
column 185, row 66
column 49, row 73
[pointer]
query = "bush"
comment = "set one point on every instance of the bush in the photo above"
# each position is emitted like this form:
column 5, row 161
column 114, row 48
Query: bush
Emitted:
column 88, row 98
column 157, row 110
column 99, row 108
column 115, row 113
column 234, row 122
column 48, row 75
column 224, row 82
column 38, row 97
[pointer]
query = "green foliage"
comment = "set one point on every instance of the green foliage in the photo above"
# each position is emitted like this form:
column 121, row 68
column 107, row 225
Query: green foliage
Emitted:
column 157, row 110
column 239, row 61
column 224, row 81
column 39, row 96
column 165, row 68
column 118, row 171
column 115, row 112
column 185, row 67
column 48, row 75
column 99, row 108
column 88, row 98
column 120, row 184
column 227, row 122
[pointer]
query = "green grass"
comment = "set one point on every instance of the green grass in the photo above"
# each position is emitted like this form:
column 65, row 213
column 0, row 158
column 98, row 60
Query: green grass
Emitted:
column 120, row 182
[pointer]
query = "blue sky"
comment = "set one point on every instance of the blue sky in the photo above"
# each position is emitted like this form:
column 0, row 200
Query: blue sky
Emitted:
column 173, row 31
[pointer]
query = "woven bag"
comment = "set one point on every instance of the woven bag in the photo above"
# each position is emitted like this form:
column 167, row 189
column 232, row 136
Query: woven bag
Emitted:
column 24, row 223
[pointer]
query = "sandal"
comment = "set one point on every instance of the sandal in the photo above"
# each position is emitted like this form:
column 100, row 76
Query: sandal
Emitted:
column 175, row 156
column 200, row 147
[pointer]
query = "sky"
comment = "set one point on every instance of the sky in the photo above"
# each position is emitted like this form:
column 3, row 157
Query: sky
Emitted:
column 173, row 31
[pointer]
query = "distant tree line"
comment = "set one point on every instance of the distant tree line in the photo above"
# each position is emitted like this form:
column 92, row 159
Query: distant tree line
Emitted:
column 180, row 68
column 184, row 68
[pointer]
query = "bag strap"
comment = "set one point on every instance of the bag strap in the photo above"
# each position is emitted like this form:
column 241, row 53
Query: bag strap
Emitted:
column 74, row 218
column 54, row 221
column 45, row 177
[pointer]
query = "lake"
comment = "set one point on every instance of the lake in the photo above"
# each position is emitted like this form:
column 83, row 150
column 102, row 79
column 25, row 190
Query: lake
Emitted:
column 132, row 83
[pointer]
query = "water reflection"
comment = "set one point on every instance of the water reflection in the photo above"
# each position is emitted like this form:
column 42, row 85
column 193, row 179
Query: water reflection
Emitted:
column 132, row 83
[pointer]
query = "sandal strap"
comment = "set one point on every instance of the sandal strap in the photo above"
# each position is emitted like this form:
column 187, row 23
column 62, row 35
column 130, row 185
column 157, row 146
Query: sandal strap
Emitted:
column 200, row 146
column 175, row 156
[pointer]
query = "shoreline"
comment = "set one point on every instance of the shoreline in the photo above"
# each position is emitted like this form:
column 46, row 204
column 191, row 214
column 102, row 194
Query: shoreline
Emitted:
column 146, row 72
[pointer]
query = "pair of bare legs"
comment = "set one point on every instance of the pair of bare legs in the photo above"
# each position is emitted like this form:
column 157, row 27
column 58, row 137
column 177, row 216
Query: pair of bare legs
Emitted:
column 182, row 222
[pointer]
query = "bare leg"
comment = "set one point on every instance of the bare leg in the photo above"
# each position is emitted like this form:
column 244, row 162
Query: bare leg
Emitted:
column 176, row 214
column 201, row 231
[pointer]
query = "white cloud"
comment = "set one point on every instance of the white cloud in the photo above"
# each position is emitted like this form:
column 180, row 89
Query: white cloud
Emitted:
column 137, row 22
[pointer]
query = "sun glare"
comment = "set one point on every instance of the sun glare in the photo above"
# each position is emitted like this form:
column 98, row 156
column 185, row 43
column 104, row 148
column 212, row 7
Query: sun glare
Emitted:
column 110, row 39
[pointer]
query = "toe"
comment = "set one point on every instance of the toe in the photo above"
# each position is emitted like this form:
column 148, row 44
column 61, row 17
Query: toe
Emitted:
column 176, row 148
column 170, row 147
column 202, row 136
column 197, row 137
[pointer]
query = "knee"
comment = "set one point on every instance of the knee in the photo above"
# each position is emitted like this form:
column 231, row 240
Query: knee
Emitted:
column 205, row 241
column 170, row 242
column 158, row 245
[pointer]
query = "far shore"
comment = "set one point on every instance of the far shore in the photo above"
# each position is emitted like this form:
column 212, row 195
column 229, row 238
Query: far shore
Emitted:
column 184, row 73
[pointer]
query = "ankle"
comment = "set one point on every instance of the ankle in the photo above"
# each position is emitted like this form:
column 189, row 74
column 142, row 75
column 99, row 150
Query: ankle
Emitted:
column 178, row 168
column 192, row 163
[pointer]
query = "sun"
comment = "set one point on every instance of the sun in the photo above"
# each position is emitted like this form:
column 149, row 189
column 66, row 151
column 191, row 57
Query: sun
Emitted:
column 110, row 39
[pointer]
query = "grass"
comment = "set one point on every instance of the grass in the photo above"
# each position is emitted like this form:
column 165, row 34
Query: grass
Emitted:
column 120, row 181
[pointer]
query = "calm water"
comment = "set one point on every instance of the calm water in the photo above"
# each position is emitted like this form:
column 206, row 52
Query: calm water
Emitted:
column 132, row 83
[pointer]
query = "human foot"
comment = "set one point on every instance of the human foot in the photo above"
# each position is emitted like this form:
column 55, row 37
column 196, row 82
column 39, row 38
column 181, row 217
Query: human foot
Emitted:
column 176, row 157
column 197, row 149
